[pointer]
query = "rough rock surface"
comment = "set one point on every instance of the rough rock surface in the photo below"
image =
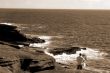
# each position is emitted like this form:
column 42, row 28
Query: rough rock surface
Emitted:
column 19, row 60
column 14, row 60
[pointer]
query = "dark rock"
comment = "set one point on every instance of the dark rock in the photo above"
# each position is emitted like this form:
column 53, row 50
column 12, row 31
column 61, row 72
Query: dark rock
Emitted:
column 25, row 64
column 36, row 40
column 10, row 34
column 83, row 48
column 72, row 50
column 69, row 50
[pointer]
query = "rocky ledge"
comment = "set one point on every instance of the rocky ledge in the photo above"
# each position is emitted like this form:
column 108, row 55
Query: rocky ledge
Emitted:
column 26, row 59
column 14, row 60
column 12, row 35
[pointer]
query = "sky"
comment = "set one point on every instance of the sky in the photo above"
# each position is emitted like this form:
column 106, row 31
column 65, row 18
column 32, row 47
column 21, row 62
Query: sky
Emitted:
column 56, row 4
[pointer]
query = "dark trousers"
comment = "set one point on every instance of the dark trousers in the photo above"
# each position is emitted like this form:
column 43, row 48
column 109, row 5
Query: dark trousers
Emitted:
column 79, row 67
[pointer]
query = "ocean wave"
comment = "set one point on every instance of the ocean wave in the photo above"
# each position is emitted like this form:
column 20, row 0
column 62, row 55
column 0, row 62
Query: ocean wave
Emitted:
column 93, row 54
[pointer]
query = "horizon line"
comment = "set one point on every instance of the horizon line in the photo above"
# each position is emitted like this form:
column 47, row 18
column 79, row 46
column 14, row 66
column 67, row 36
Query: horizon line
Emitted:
column 51, row 9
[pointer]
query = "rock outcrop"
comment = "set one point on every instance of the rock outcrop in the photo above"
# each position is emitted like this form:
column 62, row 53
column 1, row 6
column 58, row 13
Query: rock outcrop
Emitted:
column 36, row 61
column 14, row 60
column 10, row 34
column 69, row 50
column 21, row 60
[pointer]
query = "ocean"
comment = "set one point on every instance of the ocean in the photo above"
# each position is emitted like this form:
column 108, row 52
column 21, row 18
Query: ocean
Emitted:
column 88, row 28
column 65, row 28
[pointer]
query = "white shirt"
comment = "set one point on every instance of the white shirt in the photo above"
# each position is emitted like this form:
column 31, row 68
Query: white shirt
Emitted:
column 80, row 60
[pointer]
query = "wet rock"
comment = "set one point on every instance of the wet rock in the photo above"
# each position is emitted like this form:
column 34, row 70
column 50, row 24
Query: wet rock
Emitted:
column 69, row 50
column 36, row 40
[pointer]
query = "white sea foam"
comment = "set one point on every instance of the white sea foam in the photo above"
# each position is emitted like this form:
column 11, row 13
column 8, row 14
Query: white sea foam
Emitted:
column 42, row 45
column 68, row 58
column 6, row 23
column 21, row 45
column 45, row 37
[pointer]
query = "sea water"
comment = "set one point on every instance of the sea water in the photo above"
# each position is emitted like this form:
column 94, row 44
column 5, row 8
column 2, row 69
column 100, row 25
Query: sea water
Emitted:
column 64, row 58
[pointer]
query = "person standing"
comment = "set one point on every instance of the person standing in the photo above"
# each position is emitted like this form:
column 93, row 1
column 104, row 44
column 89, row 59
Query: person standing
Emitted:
column 80, row 61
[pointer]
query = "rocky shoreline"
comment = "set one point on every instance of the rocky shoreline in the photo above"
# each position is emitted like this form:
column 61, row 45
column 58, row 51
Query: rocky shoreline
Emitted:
column 16, row 59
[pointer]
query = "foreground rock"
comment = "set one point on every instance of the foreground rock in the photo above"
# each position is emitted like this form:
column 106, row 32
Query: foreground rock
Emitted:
column 20, row 60
column 37, row 61
column 14, row 60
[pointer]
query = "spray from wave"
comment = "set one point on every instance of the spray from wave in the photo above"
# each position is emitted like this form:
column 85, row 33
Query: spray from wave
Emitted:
column 67, row 58
column 42, row 45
